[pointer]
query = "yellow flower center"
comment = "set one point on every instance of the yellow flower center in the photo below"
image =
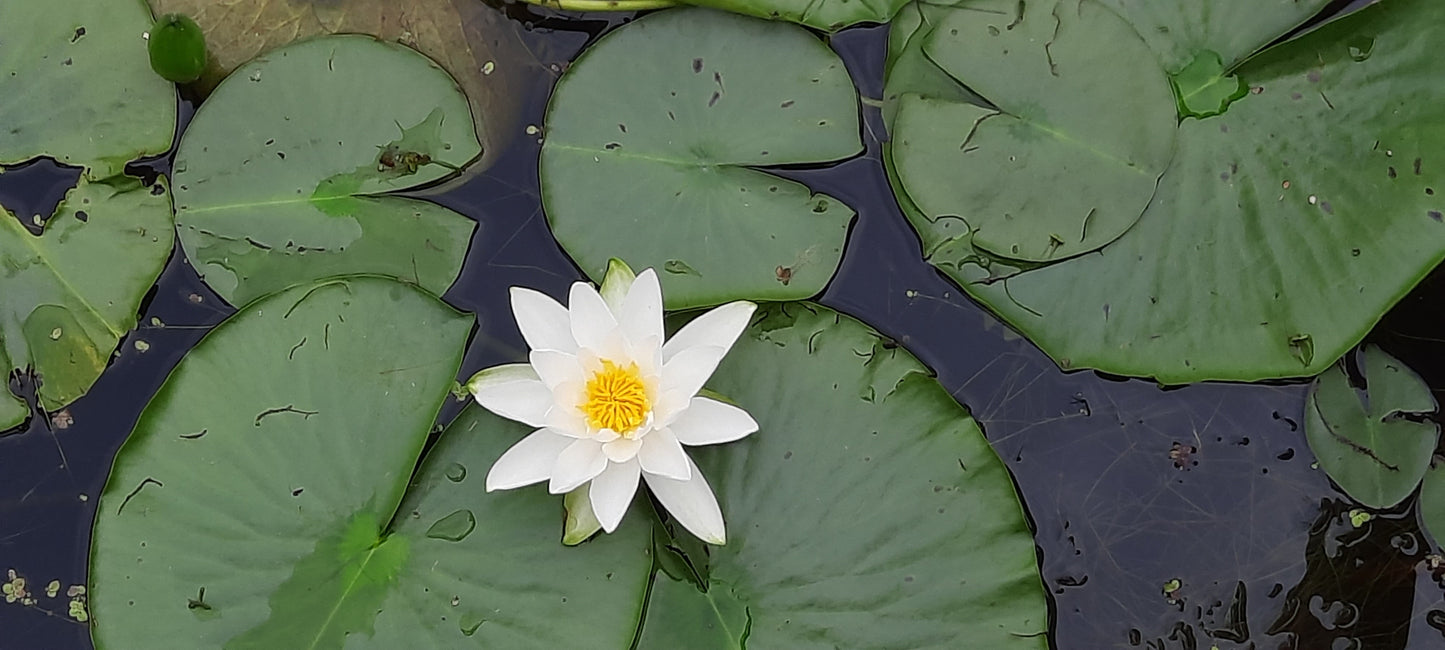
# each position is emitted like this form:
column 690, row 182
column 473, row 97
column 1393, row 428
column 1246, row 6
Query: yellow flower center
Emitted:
column 616, row 398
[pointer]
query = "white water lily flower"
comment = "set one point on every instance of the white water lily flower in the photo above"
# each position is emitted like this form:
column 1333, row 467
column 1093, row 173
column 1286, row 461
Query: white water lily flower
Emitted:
column 613, row 402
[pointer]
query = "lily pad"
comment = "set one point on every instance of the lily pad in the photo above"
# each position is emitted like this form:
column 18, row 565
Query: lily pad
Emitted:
column 1432, row 502
column 280, row 178
column 1252, row 261
column 260, row 502
column 653, row 143
column 868, row 510
column 829, row 15
column 76, row 85
column 72, row 292
column 1067, row 151
column 1376, row 450
column 477, row 44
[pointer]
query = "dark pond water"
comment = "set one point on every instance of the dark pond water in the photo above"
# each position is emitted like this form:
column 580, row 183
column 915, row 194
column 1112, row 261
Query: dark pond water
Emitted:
column 1129, row 486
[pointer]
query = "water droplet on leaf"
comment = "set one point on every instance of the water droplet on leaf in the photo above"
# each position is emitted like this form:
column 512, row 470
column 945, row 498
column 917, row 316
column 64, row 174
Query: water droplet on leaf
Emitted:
column 454, row 527
column 1360, row 47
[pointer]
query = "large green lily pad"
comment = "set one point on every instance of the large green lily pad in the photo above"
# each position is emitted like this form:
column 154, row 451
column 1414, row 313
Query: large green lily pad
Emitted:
column 76, row 85
column 70, row 294
column 1280, row 233
column 1377, row 450
column 260, row 502
column 280, row 178
column 1067, row 152
column 830, row 15
column 867, row 511
column 652, row 143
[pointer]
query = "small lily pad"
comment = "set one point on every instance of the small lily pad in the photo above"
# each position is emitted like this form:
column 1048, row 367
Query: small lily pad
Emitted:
column 1377, row 449
column 654, row 143
column 281, row 177
column 72, row 292
column 1058, row 159
column 479, row 45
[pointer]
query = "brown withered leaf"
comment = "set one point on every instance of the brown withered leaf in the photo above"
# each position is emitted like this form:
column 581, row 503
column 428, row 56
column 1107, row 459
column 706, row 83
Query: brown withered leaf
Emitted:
column 475, row 43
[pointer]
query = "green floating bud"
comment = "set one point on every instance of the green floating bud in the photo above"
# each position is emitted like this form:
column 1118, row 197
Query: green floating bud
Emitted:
column 177, row 48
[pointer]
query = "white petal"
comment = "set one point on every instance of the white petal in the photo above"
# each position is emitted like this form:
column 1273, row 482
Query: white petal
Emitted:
column 615, row 283
column 527, row 462
column 710, row 422
column 641, row 315
column 571, row 434
column 567, row 421
column 662, row 454
column 579, row 463
column 571, row 395
column 554, row 367
column 543, row 321
column 691, row 503
column 648, row 357
column 688, row 370
column 512, row 391
column 612, row 491
column 719, row 327
column 669, row 405
column 593, row 324
column 621, row 450
column 605, row 436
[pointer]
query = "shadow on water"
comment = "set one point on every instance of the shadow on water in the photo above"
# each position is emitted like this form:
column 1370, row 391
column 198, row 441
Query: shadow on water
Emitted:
column 1182, row 518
